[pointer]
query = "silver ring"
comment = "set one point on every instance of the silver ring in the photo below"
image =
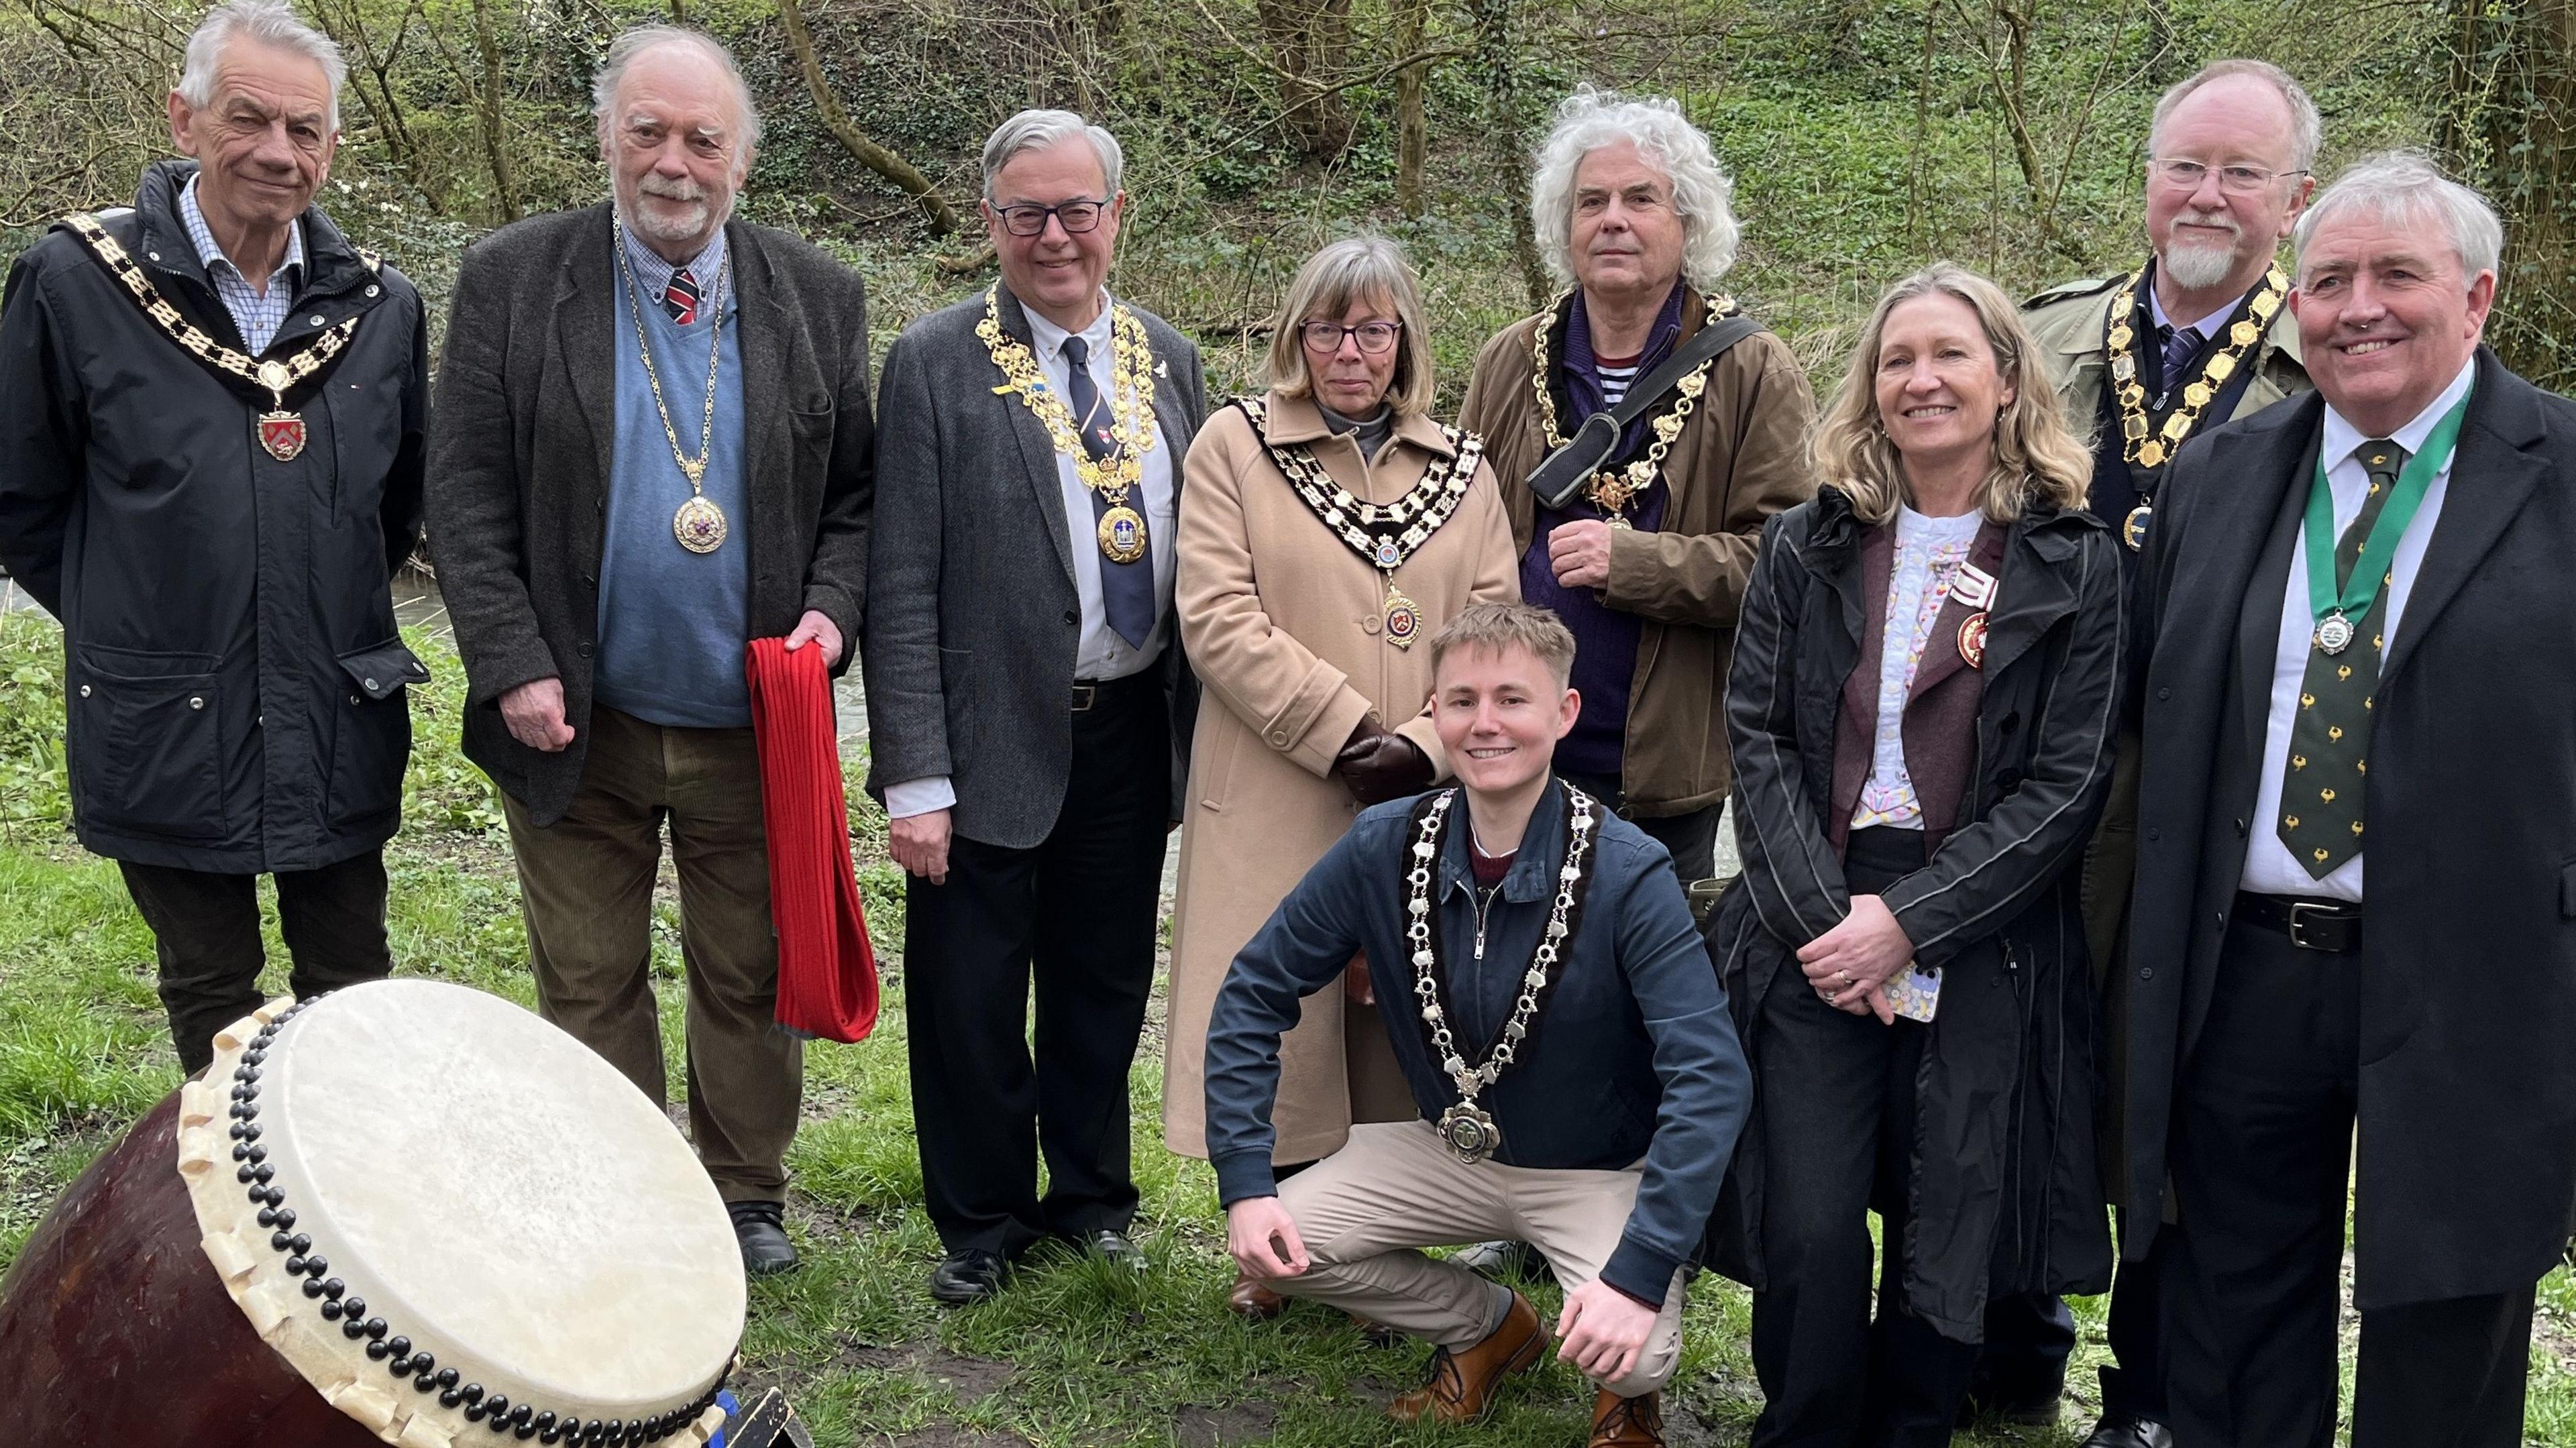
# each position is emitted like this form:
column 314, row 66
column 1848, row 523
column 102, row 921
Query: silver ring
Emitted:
column 1844, row 976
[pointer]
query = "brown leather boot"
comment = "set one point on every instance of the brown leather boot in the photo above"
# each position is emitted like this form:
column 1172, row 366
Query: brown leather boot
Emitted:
column 1461, row 1385
column 1252, row 1301
column 1619, row 1422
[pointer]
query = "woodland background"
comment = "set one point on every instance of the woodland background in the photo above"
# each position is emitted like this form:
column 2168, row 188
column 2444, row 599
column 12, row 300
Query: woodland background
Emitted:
column 1865, row 137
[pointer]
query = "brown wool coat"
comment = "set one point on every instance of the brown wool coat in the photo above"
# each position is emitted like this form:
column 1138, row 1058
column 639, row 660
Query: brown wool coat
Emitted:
column 1281, row 621
column 1741, row 458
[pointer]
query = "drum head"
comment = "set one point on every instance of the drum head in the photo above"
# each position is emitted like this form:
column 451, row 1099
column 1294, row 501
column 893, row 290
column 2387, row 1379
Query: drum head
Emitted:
column 496, row 1194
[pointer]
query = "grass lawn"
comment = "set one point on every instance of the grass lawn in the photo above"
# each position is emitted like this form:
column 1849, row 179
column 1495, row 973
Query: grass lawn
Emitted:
column 1074, row 1353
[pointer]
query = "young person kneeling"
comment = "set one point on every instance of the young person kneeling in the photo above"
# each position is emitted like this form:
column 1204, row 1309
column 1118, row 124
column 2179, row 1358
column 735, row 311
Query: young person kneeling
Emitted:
column 1562, row 1030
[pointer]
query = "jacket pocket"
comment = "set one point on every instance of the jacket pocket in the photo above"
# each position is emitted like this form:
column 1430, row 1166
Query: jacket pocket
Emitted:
column 374, row 739
column 146, row 742
column 1212, row 770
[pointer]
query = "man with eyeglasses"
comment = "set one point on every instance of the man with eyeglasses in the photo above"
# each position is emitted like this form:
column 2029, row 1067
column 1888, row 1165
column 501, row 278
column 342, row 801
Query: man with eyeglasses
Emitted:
column 2195, row 337
column 1029, row 708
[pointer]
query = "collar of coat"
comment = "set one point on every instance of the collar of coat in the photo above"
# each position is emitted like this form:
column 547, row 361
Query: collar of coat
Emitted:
column 1534, row 865
column 2037, row 585
column 1298, row 420
column 332, row 265
column 2085, row 341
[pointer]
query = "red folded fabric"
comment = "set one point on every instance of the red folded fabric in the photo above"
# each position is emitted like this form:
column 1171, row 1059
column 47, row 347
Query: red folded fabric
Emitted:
column 827, row 973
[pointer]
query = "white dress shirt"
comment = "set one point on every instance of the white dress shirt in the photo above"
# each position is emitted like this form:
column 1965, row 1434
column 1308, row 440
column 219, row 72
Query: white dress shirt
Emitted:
column 2207, row 327
column 2270, row 868
column 1100, row 654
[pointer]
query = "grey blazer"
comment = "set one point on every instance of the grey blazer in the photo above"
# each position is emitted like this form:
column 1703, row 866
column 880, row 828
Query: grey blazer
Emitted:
column 975, row 621
column 519, row 445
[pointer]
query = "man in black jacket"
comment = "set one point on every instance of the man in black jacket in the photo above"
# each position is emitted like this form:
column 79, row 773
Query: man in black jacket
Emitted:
column 1581, row 1086
column 211, row 418
column 653, row 446
column 2361, row 612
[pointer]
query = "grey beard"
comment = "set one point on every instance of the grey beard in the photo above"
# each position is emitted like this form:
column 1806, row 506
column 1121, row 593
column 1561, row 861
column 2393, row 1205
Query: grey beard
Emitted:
column 2196, row 268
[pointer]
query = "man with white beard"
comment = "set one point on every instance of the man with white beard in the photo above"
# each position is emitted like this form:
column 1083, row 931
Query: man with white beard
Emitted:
column 2196, row 337
column 652, row 443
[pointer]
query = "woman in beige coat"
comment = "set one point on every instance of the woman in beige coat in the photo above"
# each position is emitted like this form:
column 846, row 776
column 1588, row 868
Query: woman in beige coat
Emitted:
column 1305, row 608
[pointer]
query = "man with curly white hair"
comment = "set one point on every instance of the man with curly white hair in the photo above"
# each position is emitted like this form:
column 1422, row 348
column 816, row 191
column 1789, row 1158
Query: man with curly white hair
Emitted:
column 1647, row 559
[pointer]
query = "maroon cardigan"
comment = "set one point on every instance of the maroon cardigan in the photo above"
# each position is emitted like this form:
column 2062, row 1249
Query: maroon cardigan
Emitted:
column 1940, row 708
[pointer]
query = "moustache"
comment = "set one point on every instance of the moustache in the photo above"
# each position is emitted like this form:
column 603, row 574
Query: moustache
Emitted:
column 668, row 189
column 2217, row 219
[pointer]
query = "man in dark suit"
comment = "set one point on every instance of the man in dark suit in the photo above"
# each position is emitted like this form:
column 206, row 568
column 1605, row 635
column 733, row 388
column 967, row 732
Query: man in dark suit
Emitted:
column 1029, row 710
column 2362, row 613
column 653, row 445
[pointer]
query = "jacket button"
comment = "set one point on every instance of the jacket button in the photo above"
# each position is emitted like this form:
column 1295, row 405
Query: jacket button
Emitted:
column 2164, row 693
column 1072, row 616
column 370, row 685
column 196, row 701
column 84, row 691
column 1279, row 737
column 2240, row 829
column 353, row 698
column 374, row 290
column 583, row 650
column 2146, row 972
column 1369, row 625
column 589, row 582
column 314, row 320
column 156, row 256
column 2155, row 834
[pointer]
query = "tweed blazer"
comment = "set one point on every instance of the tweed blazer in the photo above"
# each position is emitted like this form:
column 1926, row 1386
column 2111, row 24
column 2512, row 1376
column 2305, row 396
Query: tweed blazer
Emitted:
column 975, row 622
column 519, row 449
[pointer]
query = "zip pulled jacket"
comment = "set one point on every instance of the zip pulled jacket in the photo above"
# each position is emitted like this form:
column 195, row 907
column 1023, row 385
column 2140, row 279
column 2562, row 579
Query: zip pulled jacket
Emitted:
column 1630, row 1057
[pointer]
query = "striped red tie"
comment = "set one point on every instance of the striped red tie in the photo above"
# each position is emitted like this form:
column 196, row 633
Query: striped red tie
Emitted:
column 681, row 300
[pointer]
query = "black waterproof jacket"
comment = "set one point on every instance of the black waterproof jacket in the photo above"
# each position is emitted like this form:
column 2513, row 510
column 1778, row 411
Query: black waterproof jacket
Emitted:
column 234, row 678
column 2007, row 1198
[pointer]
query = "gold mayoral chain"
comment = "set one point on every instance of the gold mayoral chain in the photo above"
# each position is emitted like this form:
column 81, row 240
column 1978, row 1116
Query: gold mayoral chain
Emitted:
column 279, row 430
column 1467, row 1129
column 1383, row 534
column 2146, row 447
column 1613, row 490
column 699, row 524
column 1131, row 418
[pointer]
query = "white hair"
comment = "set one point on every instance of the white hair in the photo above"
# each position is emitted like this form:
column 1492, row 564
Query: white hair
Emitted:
column 2307, row 129
column 1037, row 130
column 2403, row 188
column 1702, row 193
column 270, row 23
column 633, row 45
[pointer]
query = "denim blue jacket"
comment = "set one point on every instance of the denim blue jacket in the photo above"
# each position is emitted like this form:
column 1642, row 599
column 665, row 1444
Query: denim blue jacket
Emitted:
column 1632, row 1054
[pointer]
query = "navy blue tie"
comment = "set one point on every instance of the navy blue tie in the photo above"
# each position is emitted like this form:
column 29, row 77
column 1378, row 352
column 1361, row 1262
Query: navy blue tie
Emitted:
column 1126, row 589
column 2181, row 345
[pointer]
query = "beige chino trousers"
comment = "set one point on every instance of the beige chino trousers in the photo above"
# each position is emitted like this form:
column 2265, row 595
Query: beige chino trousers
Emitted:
column 1365, row 1212
column 586, row 889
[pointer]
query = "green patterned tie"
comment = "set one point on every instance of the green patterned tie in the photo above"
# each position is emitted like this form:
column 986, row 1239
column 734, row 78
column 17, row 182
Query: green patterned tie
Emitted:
column 2322, row 789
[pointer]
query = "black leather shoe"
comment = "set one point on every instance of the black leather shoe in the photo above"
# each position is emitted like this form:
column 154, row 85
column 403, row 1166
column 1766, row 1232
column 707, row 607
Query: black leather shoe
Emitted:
column 2122, row 1430
column 1505, row 1262
column 1112, row 1248
column 757, row 1227
column 968, row 1276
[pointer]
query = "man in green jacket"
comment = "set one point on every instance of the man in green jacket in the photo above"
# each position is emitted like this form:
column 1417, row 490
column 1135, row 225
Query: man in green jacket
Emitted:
column 2197, row 336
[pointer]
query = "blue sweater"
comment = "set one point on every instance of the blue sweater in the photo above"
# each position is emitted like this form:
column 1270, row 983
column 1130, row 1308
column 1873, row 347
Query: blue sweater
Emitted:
column 1632, row 1054
column 672, row 623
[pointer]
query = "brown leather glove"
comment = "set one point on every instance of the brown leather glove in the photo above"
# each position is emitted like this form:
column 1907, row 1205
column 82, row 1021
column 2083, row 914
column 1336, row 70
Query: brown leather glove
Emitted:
column 1378, row 765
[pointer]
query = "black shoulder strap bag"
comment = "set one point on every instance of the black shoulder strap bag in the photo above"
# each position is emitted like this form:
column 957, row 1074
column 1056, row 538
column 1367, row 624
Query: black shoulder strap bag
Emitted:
column 1563, row 472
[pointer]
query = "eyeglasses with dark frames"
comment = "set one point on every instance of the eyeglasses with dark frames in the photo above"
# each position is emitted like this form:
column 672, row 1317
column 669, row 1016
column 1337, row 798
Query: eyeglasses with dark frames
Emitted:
column 1079, row 215
column 1325, row 338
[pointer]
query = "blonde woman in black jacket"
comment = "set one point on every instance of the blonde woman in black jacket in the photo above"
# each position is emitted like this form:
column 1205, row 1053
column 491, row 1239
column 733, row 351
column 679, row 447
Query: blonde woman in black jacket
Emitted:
column 1922, row 710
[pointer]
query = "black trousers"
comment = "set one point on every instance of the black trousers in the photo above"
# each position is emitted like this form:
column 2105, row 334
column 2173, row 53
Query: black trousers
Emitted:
column 205, row 933
column 1836, row 1107
column 1079, row 914
column 2261, row 1163
column 2030, row 1338
column 1692, row 838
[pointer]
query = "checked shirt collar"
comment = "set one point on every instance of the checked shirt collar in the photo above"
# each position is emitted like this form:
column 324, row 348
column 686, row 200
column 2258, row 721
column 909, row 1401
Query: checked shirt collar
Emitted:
column 257, row 316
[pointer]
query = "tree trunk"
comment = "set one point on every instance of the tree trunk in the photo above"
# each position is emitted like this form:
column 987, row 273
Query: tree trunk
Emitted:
column 1493, row 19
column 1412, row 129
column 1310, row 43
column 894, row 168
column 496, row 148
column 2508, row 126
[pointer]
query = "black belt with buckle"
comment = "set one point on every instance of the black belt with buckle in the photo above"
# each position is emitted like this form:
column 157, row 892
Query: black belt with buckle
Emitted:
column 2333, row 926
column 1090, row 694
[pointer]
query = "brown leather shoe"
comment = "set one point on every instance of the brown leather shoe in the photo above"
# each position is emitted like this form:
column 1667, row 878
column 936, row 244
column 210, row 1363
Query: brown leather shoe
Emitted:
column 1252, row 1301
column 1619, row 1422
column 1461, row 1385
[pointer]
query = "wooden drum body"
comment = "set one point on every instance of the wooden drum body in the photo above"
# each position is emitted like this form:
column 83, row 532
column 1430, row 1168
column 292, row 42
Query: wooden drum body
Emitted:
column 405, row 1213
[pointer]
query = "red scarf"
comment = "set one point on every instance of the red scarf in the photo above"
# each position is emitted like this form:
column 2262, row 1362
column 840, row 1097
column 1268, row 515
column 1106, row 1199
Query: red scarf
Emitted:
column 827, row 973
